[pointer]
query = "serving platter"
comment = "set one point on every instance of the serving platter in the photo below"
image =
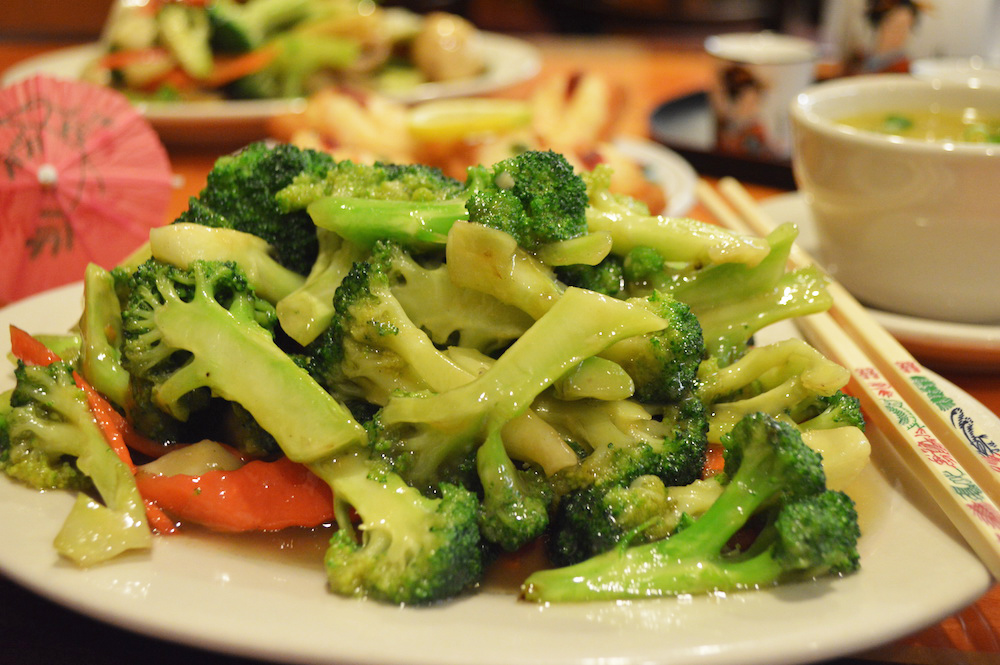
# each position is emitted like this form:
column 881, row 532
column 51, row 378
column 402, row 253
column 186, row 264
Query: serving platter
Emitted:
column 213, row 593
column 509, row 60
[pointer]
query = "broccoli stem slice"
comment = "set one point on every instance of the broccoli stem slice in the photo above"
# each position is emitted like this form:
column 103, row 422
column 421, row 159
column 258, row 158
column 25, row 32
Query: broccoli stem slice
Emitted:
column 674, row 238
column 490, row 261
column 240, row 362
column 580, row 325
column 101, row 335
column 181, row 244
column 412, row 224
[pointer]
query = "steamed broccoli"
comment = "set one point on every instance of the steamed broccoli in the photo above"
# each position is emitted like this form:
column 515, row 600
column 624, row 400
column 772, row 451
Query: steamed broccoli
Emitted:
column 412, row 548
column 808, row 531
column 53, row 442
column 371, row 348
column 188, row 332
column 535, row 196
column 663, row 365
column 425, row 434
column 240, row 194
column 305, row 313
column 675, row 239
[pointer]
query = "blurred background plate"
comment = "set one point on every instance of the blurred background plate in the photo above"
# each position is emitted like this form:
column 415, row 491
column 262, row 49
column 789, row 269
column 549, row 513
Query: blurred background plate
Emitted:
column 509, row 61
column 666, row 169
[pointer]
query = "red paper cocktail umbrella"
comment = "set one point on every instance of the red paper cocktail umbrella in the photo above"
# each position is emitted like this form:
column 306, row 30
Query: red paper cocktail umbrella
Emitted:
column 83, row 177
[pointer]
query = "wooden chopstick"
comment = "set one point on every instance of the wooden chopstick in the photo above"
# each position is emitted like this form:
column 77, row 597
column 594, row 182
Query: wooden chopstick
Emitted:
column 921, row 389
column 930, row 455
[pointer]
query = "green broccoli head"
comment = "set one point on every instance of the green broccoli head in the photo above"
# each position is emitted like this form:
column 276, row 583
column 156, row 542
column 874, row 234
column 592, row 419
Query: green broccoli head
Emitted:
column 44, row 425
column 240, row 194
column 831, row 411
column 199, row 331
column 54, row 442
column 607, row 277
column 408, row 548
column 600, row 518
column 371, row 348
column 516, row 501
column 623, row 440
column 534, row 196
column 664, row 365
column 808, row 531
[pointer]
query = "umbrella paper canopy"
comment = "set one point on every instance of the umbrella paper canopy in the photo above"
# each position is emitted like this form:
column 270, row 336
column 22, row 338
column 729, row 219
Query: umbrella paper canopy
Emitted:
column 83, row 177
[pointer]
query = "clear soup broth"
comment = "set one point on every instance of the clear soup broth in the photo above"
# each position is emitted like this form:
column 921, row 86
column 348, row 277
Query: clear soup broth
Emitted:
column 965, row 126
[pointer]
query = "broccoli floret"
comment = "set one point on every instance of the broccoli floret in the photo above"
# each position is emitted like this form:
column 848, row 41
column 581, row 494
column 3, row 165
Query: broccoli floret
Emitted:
column 240, row 27
column 372, row 345
column 453, row 315
column 623, row 440
column 808, row 531
column 55, row 443
column 197, row 330
column 664, row 365
column 305, row 313
column 424, row 434
column 412, row 549
column 101, row 336
column 516, row 501
column 596, row 519
column 535, row 196
column 240, row 194
column 607, row 277
column 832, row 411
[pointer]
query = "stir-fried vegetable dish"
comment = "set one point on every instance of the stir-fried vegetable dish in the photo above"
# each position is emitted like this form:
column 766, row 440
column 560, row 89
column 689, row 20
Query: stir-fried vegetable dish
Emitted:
column 440, row 372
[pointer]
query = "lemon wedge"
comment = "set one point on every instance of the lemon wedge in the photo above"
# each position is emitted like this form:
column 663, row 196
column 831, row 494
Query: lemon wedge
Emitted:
column 456, row 119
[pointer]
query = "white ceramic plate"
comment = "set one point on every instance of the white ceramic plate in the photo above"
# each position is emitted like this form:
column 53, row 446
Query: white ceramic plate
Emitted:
column 205, row 593
column 665, row 168
column 509, row 60
column 937, row 343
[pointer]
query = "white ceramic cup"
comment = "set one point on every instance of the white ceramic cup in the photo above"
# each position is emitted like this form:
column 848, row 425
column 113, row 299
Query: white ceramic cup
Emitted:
column 907, row 225
column 757, row 76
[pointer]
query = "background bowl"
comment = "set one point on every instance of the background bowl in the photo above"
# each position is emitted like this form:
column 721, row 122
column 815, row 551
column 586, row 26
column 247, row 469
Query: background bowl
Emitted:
column 907, row 225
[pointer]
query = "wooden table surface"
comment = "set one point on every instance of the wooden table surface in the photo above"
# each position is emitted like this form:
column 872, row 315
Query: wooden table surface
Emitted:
column 650, row 72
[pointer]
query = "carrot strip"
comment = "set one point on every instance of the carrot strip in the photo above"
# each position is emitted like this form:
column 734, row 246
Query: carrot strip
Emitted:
column 29, row 350
column 259, row 496
column 715, row 460
column 229, row 69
